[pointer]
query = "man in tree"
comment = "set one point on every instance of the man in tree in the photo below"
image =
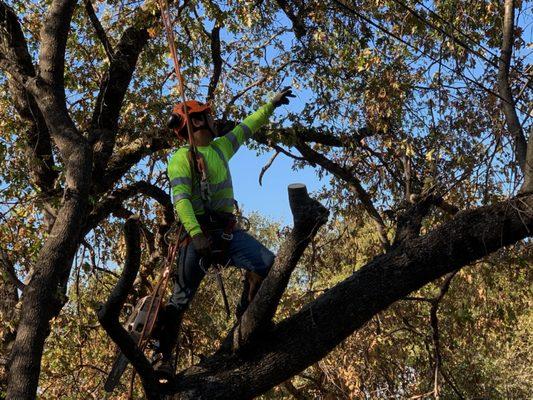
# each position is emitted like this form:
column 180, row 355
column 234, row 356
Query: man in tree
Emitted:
column 202, row 192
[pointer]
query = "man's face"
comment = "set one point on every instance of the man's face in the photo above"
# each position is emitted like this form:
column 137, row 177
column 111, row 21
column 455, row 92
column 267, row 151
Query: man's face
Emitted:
column 203, row 121
column 210, row 123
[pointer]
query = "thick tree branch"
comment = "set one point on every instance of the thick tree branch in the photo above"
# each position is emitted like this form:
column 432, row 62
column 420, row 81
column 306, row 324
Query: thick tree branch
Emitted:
column 309, row 215
column 108, row 313
column 13, row 47
column 318, row 327
column 113, row 203
column 113, row 88
column 129, row 155
column 99, row 29
column 39, row 149
column 53, row 35
column 49, row 91
column 44, row 295
column 504, row 86
column 354, row 183
column 294, row 11
column 37, row 138
column 8, row 267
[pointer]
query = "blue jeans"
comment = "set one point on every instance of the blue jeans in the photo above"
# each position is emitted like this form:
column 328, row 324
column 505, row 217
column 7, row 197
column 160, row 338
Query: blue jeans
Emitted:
column 244, row 252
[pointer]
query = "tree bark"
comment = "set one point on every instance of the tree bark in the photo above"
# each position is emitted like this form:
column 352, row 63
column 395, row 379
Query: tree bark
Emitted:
column 109, row 312
column 9, row 296
column 44, row 296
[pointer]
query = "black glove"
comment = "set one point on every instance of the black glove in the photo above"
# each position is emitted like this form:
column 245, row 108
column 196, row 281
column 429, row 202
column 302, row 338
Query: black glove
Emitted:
column 202, row 245
column 282, row 97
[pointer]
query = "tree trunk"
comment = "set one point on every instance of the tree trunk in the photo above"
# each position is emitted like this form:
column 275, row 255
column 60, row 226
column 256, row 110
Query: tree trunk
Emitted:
column 44, row 296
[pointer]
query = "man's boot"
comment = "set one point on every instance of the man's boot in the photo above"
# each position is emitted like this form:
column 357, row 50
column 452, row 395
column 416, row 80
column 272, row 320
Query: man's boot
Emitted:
column 167, row 331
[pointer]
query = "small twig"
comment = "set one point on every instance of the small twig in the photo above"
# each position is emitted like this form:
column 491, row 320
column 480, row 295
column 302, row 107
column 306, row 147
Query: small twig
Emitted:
column 289, row 154
column 258, row 82
column 266, row 167
column 100, row 32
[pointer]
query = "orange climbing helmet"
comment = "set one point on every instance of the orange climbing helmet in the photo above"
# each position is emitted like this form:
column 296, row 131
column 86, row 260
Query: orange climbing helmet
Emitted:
column 177, row 120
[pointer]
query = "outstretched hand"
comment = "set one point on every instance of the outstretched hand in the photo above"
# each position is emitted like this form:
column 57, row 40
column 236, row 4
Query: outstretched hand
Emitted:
column 282, row 97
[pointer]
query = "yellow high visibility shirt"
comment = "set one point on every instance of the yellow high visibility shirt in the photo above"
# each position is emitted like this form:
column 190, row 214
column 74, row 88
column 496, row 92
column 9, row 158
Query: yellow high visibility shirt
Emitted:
column 185, row 183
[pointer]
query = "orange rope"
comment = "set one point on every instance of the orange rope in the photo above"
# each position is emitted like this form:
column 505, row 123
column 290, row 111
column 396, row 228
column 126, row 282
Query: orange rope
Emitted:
column 163, row 5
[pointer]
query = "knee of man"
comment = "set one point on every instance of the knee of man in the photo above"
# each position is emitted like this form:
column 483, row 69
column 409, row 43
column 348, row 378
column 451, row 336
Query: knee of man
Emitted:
column 268, row 263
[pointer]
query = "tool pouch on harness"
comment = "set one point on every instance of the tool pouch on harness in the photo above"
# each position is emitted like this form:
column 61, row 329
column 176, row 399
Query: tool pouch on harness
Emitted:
column 216, row 221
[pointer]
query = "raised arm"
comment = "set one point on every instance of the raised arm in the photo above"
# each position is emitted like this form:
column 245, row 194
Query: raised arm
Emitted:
column 230, row 142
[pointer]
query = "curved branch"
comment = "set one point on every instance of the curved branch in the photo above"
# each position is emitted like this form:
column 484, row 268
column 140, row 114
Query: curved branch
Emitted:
column 127, row 156
column 113, row 88
column 266, row 167
column 13, row 45
column 99, row 29
column 113, row 202
column 109, row 312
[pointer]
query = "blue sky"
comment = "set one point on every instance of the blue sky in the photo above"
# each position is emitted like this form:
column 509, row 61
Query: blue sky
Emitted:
column 271, row 199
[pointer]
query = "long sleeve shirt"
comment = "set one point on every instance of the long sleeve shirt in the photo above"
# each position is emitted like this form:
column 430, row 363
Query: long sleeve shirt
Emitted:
column 185, row 183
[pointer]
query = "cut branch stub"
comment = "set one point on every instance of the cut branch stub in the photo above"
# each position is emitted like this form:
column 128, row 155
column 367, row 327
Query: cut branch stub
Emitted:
column 309, row 215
